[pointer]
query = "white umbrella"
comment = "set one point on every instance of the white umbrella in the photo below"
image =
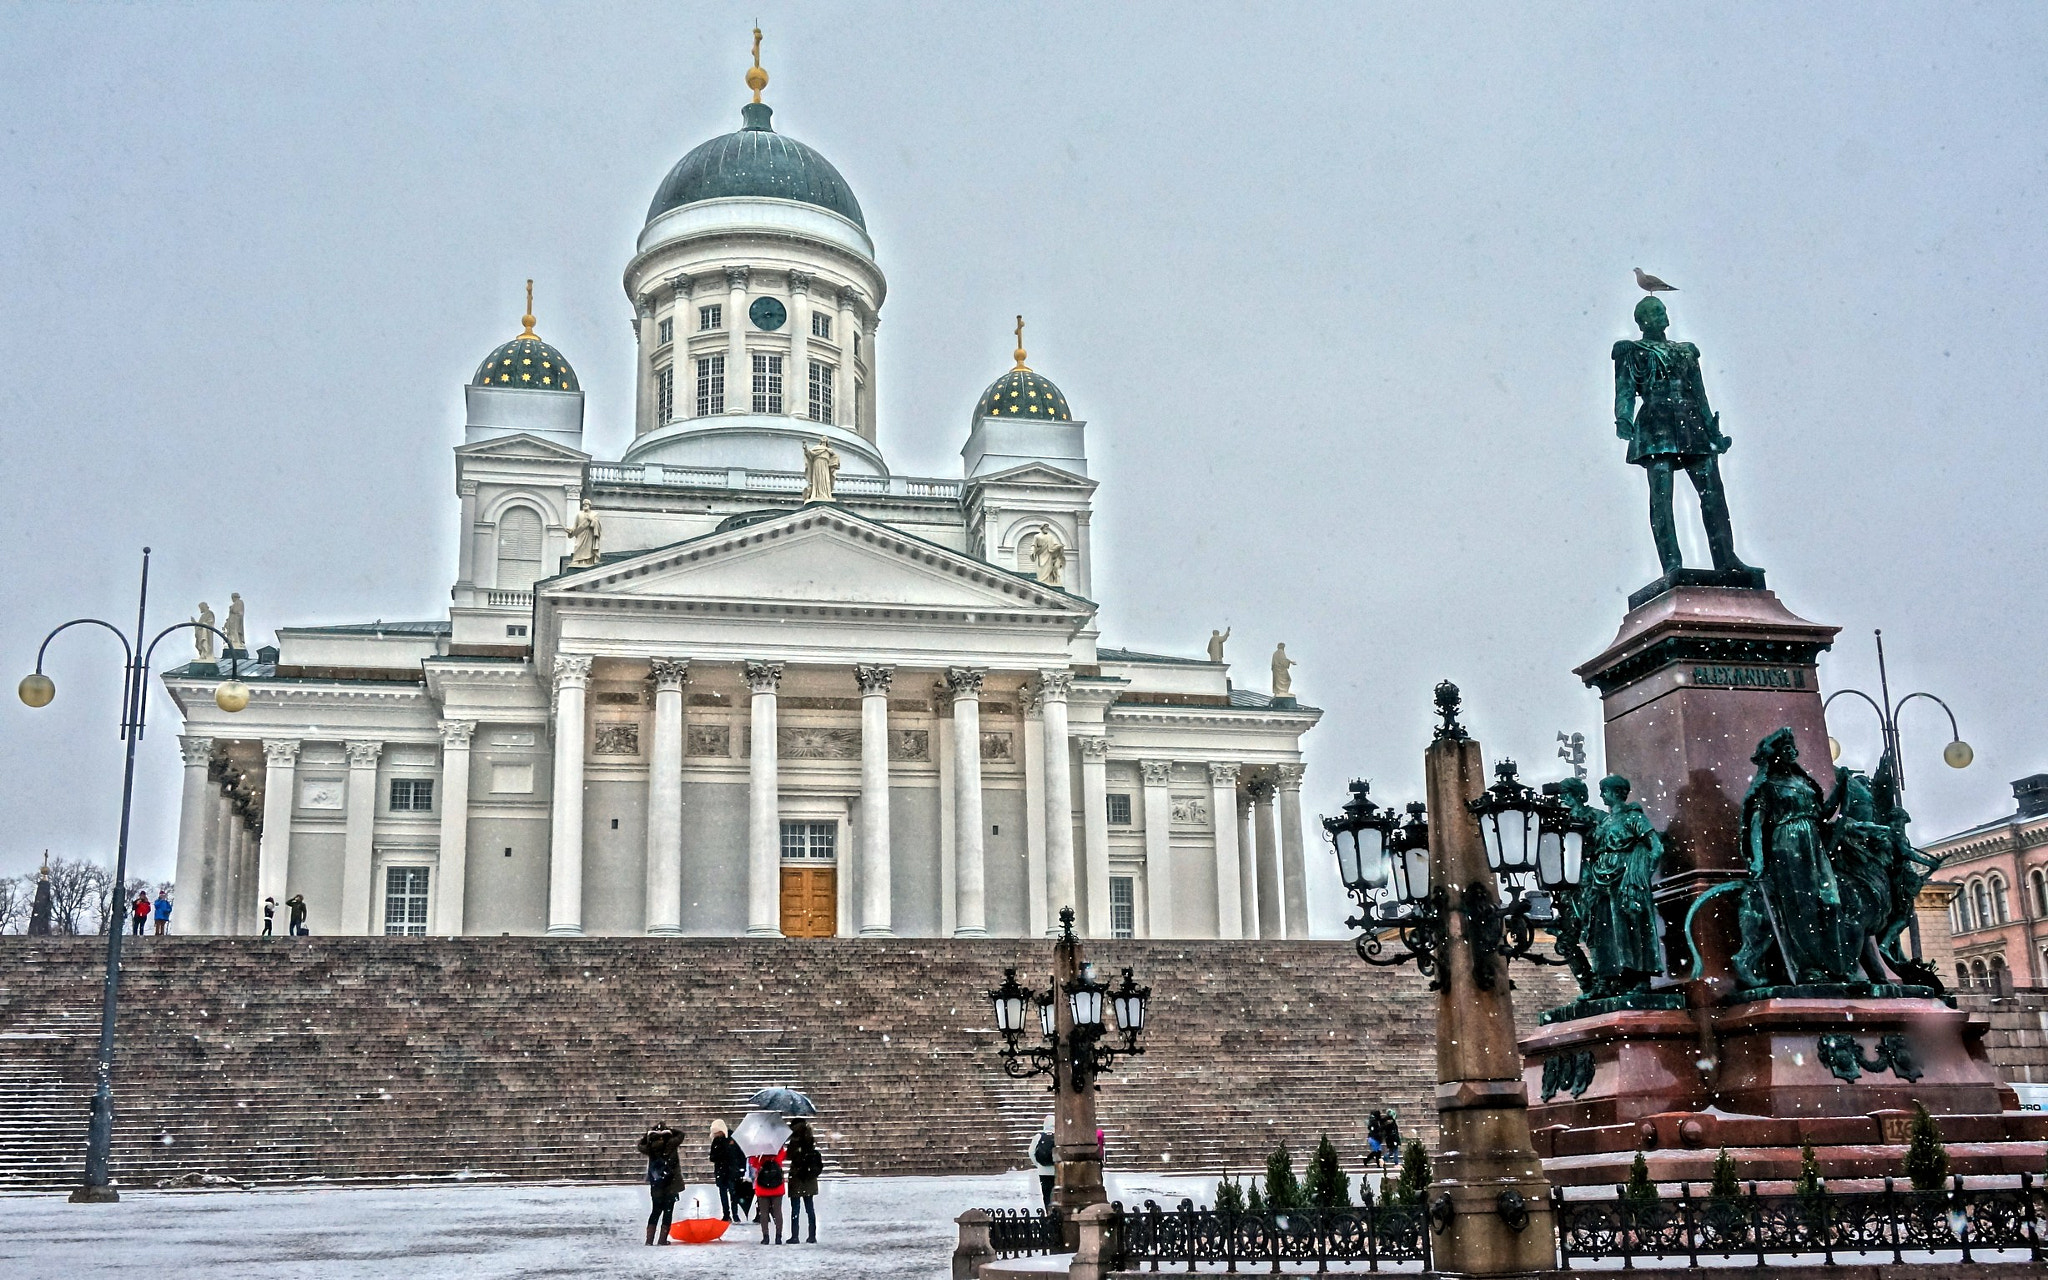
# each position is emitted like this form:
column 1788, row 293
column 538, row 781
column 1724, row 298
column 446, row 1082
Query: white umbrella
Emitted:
column 762, row 1133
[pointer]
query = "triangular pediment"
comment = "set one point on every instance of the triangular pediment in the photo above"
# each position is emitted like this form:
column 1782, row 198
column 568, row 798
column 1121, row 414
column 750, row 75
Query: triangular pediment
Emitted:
column 522, row 445
column 1035, row 473
column 819, row 555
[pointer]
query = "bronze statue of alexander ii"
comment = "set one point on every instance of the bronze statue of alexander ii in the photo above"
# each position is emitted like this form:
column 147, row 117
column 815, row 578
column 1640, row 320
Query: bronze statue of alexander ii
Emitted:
column 1675, row 428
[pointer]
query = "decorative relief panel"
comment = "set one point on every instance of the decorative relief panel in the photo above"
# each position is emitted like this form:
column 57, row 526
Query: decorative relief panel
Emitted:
column 805, row 743
column 910, row 745
column 997, row 745
column 321, row 793
column 709, row 740
column 1190, row 811
column 617, row 738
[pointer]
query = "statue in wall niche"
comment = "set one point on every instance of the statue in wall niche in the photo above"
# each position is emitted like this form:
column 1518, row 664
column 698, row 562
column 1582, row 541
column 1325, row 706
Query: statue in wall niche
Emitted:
column 1797, row 900
column 1216, row 639
column 583, row 538
column 821, row 471
column 1673, row 430
column 202, row 635
column 1283, row 674
column 233, row 628
column 1616, row 914
column 1049, row 556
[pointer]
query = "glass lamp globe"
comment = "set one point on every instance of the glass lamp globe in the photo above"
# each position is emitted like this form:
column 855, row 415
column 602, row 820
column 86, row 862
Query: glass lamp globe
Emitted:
column 1834, row 749
column 1957, row 754
column 231, row 695
column 37, row 689
column 1048, row 1016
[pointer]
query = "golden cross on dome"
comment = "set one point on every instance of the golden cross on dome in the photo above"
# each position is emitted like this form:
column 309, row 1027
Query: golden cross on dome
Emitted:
column 527, row 319
column 1020, row 345
column 757, row 79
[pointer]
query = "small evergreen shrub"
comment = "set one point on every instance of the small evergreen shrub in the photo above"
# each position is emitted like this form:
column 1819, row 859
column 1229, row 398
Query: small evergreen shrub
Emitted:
column 1809, row 1184
column 1727, row 1188
column 1413, row 1185
column 1283, row 1191
column 1640, row 1193
column 1926, row 1158
column 1327, row 1186
column 1230, row 1195
column 1254, row 1203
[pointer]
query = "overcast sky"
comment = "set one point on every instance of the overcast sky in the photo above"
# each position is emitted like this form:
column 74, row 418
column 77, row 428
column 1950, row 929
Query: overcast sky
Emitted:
column 1334, row 289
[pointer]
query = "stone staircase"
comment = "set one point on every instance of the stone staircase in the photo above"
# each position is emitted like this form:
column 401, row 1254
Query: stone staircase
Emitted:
column 394, row 1059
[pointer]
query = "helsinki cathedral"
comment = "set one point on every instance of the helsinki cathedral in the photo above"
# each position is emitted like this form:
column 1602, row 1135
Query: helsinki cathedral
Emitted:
column 747, row 680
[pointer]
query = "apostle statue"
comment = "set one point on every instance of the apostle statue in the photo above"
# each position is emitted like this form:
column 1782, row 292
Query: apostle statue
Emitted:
column 1049, row 557
column 1617, row 917
column 233, row 627
column 1674, row 429
column 1795, row 899
column 1283, row 675
column 1216, row 639
column 583, row 538
column 821, row 471
column 202, row 635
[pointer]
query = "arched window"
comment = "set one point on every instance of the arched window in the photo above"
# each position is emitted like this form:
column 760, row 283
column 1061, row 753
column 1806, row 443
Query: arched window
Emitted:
column 1962, row 974
column 1998, row 977
column 519, row 537
column 2040, row 892
column 1982, row 901
column 1978, row 977
column 1957, row 921
column 2000, row 911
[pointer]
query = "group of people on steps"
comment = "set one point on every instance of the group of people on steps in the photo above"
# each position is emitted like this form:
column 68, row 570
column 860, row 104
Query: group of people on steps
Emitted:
column 746, row 1184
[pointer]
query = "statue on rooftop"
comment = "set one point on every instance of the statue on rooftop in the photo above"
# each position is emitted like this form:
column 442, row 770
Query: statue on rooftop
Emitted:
column 1283, row 676
column 1216, row 639
column 821, row 471
column 583, row 538
column 233, row 628
column 202, row 635
column 1674, row 429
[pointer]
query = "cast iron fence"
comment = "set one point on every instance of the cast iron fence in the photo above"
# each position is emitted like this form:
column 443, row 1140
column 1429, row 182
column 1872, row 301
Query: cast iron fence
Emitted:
column 1188, row 1237
column 1014, row 1233
column 1955, row 1220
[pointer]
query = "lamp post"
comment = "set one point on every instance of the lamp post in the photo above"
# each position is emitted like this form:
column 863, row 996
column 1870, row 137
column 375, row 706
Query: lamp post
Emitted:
column 1957, row 754
column 37, row 690
column 1437, row 881
column 1076, row 1045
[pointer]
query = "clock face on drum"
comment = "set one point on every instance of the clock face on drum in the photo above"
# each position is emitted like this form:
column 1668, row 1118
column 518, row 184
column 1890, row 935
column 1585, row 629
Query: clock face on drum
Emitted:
column 768, row 314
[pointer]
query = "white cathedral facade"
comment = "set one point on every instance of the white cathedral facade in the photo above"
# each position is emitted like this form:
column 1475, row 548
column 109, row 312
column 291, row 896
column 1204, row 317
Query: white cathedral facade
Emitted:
column 673, row 697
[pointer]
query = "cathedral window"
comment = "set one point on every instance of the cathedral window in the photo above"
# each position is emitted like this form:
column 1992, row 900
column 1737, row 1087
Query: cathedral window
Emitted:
column 1119, row 810
column 821, row 325
column 810, row 841
column 412, row 795
column 666, row 331
column 1123, row 908
column 767, row 383
column 710, row 385
column 821, row 391
column 711, row 317
column 664, row 393
column 519, row 537
column 405, row 902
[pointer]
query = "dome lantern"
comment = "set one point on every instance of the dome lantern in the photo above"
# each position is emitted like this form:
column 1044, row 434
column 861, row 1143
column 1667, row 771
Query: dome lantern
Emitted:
column 526, row 363
column 1022, row 393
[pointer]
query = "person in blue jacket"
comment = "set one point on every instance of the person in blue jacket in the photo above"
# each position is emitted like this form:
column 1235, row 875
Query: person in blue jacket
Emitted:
column 163, row 910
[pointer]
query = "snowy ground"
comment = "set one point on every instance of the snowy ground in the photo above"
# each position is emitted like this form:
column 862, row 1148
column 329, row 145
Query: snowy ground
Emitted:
column 868, row 1229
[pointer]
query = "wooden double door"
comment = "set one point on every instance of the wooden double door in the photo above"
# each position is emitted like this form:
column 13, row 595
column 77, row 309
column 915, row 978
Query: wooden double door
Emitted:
column 810, row 902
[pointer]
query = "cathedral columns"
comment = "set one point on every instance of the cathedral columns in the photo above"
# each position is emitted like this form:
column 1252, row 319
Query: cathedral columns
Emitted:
column 875, row 884
column 1095, row 832
column 739, row 376
column 192, row 823
column 665, row 801
column 764, row 815
column 849, row 377
column 453, row 868
column 1293, row 874
column 1247, row 868
column 1157, row 774
column 1054, row 686
column 358, row 841
column 280, row 770
column 970, row 918
column 1223, row 810
column 565, row 839
column 1266, row 847
column 682, row 371
column 220, row 859
column 796, row 380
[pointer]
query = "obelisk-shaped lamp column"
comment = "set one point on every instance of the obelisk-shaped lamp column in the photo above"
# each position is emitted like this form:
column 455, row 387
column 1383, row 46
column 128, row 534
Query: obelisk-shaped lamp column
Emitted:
column 1075, row 1048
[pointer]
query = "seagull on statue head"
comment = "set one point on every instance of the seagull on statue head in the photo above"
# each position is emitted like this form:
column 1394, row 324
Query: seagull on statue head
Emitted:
column 1651, row 284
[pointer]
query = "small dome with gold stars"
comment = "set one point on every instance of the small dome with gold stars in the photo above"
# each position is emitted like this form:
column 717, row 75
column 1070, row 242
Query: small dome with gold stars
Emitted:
column 1022, row 393
column 526, row 362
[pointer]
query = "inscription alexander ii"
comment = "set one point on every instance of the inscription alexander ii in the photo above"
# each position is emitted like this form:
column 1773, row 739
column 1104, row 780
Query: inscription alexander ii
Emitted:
column 1750, row 677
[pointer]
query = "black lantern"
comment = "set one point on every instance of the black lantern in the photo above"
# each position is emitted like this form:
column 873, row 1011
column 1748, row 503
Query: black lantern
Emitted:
column 1128, row 1001
column 1510, row 819
column 1084, row 997
column 1048, row 1014
column 1561, row 845
column 1360, row 838
column 1009, row 1001
column 1408, row 855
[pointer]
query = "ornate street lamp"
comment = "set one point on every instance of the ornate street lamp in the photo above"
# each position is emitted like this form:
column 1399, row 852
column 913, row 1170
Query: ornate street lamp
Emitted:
column 38, row 690
column 1078, row 1014
column 1956, row 755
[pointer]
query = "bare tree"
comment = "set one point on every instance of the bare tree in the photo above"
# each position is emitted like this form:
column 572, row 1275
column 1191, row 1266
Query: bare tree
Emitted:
column 17, row 894
column 80, row 896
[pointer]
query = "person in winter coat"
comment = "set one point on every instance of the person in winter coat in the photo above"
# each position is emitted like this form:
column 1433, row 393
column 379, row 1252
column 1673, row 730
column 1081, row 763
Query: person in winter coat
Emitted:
column 1045, row 1159
column 296, row 925
column 806, row 1165
column 769, row 1188
column 663, row 1148
column 140, row 912
column 269, row 914
column 162, row 910
column 729, row 1170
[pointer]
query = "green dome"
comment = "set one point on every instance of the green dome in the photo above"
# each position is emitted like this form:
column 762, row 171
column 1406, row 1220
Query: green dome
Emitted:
column 756, row 162
column 1020, row 393
column 528, row 364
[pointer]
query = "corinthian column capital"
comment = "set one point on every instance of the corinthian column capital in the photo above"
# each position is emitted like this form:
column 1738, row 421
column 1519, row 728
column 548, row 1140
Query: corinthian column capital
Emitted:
column 363, row 754
column 1157, row 773
column 764, row 677
column 1094, row 748
column 1054, row 686
column 670, row 673
column 1223, row 775
column 196, row 750
column 1288, row 776
column 455, row 734
column 280, row 753
column 572, row 671
column 965, row 682
column 874, row 677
